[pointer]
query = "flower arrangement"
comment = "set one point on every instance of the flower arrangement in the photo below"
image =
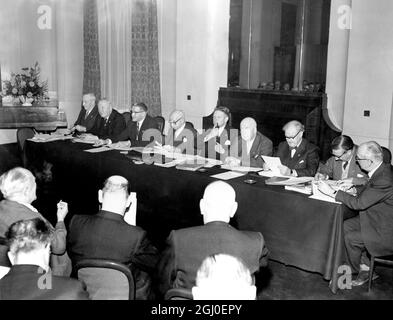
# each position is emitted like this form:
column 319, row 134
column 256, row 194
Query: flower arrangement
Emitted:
column 26, row 86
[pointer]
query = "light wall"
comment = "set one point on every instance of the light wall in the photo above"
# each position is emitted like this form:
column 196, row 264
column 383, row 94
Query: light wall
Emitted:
column 194, row 41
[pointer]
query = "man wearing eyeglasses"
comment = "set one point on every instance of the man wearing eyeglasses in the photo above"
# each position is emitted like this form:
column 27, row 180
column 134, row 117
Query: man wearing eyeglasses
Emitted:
column 371, row 230
column 299, row 157
column 135, row 129
column 342, row 165
column 181, row 137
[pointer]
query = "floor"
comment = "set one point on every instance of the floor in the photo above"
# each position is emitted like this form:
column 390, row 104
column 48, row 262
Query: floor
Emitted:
column 277, row 282
column 282, row 282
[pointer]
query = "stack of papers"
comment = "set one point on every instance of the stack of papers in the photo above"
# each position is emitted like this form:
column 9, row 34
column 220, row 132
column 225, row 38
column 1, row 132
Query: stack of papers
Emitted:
column 273, row 163
column 228, row 175
column 288, row 181
column 86, row 138
column 41, row 137
column 240, row 168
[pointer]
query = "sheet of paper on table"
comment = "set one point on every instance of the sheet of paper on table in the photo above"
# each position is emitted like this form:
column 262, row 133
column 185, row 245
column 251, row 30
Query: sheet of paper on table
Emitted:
column 323, row 197
column 98, row 149
column 270, row 174
column 43, row 137
column 228, row 175
column 142, row 149
column 240, row 168
column 273, row 163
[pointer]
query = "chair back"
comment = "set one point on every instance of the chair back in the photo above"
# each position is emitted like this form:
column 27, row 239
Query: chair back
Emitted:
column 161, row 123
column 178, row 294
column 106, row 279
column 190, row 124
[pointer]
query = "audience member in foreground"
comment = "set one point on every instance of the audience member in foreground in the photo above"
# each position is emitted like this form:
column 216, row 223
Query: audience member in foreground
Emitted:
column 19, row 190
column 223, row 277
column 342, row 165
column 187, row 248
column 87, row 115
column 30, row 277
column 248, row 149
column 107, row 236
column 299, row 157
column 371, row 230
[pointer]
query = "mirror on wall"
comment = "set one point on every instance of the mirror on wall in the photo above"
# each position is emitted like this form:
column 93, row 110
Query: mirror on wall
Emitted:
column 278, row 44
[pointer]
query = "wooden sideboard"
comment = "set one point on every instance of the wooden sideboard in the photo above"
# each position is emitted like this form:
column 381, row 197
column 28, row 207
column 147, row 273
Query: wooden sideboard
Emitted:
column 272, row 109
column 40, row 117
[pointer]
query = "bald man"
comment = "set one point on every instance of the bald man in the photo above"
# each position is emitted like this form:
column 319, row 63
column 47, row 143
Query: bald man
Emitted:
column 182, row 137
column 248, row 149
column 107, row 236
column 187, row 248
column 371, row 230
column 299, row 157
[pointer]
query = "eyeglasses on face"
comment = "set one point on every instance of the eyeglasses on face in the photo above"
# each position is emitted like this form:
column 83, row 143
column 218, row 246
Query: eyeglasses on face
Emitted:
column 174, row 121
column 339, row 157
column 360, row 159
column 291, row 138
column 134, row 111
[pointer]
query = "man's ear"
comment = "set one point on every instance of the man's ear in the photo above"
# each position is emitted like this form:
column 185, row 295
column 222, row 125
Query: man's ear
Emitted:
column 233, row 210
column 11, row 256
column 100, row 196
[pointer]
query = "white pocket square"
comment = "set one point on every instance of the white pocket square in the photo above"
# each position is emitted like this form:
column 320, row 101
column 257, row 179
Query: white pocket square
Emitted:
column 301, row 161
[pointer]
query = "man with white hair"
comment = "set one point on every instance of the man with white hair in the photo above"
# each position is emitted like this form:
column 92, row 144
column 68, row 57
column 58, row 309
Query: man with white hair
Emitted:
column 248, row 149
column 182, row 137
column 299, row 157
column 187, row 248
column 87, row 115
column 29, row 277
column 223, row 277
column 107, row 235
column 371, row 230
column 109, row 124
column 19, row 190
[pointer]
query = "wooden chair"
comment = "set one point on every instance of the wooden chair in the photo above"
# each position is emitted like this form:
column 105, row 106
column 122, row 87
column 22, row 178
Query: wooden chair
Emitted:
column 106, row 279
column 161, row 123
column 388, row 260
column 178, row 294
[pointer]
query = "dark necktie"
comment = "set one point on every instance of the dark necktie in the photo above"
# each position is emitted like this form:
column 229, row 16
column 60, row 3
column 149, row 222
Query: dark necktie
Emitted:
column 137, row 130
column 345, row 165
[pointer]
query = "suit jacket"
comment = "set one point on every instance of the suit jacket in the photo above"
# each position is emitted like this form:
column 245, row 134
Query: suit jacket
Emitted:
column 115, row 125
column 12, row 211
column 21, row 283
column 88, row 121
column 187, row 248
column 107, row 236
column 305, row 160
column 333, row 169
column 375, row 205
column 130, row 132
column 186, row 141
column 262, row 146
column 224, row 140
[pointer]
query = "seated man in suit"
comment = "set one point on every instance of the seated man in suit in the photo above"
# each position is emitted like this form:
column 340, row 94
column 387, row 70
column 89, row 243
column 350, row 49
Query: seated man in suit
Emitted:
column 18, row 187
column 223, row 277
column 217, row 140
column 187, row 248
column 342, row 165
column 87, row 115
column 249, row 148
column 109, row 124
column 30, row 277
column 299, row 157
column 139, row 132
column 107, row 235
column 182, row 137
column 371, row 230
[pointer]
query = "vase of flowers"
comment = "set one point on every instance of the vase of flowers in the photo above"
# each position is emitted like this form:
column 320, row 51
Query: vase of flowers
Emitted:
column 25, row 87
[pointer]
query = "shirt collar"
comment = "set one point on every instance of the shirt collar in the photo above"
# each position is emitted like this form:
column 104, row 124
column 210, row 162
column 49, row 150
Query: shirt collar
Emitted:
column 177, row 132
column 220, row 130
column 371, row 173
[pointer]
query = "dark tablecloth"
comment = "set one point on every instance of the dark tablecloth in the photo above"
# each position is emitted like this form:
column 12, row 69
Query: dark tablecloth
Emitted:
column 298, row 231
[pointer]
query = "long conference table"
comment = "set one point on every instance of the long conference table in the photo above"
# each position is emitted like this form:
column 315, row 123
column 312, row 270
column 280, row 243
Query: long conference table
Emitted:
column 298, row 231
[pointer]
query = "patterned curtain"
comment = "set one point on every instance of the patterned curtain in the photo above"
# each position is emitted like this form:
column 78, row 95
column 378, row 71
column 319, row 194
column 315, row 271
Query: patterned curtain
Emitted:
column 91, row 71
column 145, row 73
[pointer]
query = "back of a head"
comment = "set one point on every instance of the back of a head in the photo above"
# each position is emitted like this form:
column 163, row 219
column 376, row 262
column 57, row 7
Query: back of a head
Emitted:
column 223, row 277
column 219, row 202
column 115, row 194
column 26, row 236
column 18, row 183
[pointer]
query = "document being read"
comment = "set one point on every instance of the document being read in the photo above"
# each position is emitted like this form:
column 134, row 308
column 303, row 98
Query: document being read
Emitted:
column 273, row 163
